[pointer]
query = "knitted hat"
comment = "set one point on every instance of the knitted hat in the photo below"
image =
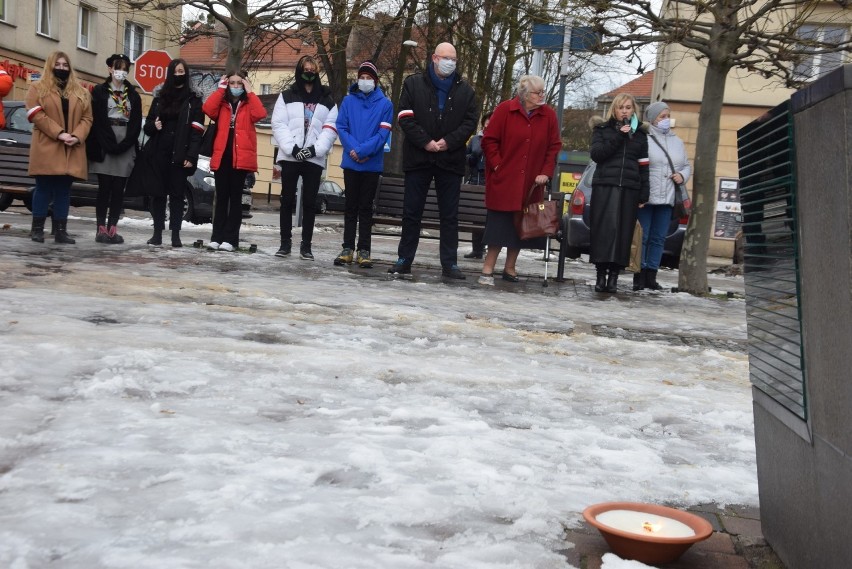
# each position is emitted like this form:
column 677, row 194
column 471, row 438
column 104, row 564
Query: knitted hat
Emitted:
column 654, row 109
column 369, row 68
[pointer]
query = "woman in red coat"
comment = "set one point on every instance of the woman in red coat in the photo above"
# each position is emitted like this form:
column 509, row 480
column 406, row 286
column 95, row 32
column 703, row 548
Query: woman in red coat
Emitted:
column 520, row 145
column 236, row 110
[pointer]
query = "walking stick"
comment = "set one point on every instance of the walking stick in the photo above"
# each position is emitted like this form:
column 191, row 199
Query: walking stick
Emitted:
column 546, row 246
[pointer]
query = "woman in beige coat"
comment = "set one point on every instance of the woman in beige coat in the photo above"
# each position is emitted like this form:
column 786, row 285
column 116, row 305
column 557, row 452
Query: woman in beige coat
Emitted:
column 60, row 109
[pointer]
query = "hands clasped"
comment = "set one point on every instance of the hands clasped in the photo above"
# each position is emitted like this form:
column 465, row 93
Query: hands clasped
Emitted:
column 305, row 153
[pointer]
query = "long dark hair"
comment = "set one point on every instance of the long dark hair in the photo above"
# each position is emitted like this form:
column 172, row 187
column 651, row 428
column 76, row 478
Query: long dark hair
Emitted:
column 172, row 96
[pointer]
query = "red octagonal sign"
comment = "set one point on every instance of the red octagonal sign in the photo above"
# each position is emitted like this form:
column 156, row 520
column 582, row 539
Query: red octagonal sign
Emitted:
column 149, row 69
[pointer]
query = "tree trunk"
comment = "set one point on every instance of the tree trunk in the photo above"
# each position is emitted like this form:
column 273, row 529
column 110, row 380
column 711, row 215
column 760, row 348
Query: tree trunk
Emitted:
column 236, row 27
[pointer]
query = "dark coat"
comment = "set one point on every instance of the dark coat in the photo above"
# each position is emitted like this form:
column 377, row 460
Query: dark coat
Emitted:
column 190, row 129
column 421, row 122
column 622, row 160
column 101, row 140
column 518, row 148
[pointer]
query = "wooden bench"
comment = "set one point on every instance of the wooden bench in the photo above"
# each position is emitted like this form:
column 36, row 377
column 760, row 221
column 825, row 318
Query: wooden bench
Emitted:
column 387, row 206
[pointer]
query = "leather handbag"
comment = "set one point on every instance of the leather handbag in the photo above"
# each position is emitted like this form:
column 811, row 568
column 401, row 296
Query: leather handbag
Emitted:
column 682, row 203
column 537, row 218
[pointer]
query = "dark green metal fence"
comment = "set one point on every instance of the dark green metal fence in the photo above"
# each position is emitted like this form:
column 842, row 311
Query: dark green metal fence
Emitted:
column 771, row 257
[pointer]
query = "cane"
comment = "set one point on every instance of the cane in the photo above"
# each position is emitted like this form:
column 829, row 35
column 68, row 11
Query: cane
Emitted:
column 546, row 246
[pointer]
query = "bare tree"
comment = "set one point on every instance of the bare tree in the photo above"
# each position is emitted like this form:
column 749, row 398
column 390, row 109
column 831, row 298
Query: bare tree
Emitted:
column 764, row 38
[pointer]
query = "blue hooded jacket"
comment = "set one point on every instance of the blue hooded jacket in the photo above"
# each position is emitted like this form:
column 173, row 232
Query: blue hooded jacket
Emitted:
column 363, row 125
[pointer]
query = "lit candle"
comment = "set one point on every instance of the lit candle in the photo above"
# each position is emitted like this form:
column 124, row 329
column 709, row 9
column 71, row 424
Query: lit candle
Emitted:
column 644, row 524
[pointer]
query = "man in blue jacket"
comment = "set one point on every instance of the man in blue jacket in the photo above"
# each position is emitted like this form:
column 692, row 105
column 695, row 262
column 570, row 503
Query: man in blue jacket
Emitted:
column 438, row 114
column 363, row 125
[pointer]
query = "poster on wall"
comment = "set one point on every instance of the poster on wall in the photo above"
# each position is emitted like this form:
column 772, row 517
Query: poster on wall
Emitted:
column 727, row 209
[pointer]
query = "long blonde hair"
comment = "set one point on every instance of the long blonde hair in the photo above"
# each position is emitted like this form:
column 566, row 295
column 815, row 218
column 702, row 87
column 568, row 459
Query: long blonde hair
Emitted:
column 48, row 83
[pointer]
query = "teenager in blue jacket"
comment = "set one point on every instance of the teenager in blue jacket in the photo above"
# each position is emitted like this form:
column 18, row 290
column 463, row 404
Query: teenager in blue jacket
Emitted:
column 363, row 125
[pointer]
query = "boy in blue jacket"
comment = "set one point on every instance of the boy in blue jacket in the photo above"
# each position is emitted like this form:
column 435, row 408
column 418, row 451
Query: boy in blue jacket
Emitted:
column 363, row 124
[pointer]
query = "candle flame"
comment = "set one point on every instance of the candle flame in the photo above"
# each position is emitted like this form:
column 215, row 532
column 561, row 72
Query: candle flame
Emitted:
column 652, row 527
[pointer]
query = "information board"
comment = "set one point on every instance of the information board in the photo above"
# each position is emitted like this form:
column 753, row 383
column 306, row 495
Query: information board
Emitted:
column 727, row 209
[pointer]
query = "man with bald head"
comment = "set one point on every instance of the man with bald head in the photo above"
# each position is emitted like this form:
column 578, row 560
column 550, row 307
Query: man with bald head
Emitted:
column 438, row 114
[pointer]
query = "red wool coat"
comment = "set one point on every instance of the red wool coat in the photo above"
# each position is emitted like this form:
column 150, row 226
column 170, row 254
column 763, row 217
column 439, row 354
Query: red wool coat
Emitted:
column 249, row 111
column 518, row 148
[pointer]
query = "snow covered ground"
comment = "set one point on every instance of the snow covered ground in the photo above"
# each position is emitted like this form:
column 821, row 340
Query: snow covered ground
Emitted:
column 187, row 409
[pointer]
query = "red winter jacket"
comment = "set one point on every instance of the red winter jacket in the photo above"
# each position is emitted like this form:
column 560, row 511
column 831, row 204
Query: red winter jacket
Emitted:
column 249, row 111
column 6, row 83
column 517, row 148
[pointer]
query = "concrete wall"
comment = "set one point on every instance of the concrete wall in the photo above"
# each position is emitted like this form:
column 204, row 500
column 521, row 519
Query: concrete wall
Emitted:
column 805, row 468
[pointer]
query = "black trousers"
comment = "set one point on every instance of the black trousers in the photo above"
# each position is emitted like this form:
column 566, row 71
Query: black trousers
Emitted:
column 110, row 199
column 358, row 214
column 228, row 204
column 311, row 174
column 447, row 188
column 174, row 186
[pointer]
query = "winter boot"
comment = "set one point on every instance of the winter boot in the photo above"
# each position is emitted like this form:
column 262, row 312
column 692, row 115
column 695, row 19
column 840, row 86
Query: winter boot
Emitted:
column 285, row 249
column 37, row 231
column 344, row 258
column 651, row 279
column 305, row 252
column 639, row 280
column 600, row 283
column 114, row 237
column 61, row 235
column 157, row 239
column 612, row 279
column 364, row 260
column 176, row 242
column 102, row 235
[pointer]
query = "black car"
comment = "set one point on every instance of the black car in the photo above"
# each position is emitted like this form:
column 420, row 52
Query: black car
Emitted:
column 575, row 224
column 330, row 197
column 198, row 203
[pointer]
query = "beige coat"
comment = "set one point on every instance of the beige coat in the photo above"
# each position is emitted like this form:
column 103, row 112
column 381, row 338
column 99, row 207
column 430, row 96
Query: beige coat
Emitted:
column 49, row 156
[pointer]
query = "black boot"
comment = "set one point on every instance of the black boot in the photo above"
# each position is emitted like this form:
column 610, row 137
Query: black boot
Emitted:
column 612, row 279
column 651, row 280
column 157, row 239
column 61, row 235
column 600, row 283
column 639, row 280
column 305, row 252
column 176, row 242
column 37, row 232
column 284, row 250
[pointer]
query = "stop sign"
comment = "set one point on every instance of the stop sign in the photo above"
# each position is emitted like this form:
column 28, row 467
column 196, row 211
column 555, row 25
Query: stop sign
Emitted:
column 149, row 70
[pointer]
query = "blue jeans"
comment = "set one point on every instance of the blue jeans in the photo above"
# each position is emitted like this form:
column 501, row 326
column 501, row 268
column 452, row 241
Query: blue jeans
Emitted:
column 655, row 221
column 55, row 189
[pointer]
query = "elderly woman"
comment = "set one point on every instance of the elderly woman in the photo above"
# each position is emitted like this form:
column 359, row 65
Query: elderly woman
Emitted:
column 620, row 185
column 520, row 145
column 669, row 166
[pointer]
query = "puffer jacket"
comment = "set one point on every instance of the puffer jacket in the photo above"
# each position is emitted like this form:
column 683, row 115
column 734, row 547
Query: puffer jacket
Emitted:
column 660, row 173
column 422, row 122
column 249, row 111
column 289, row 129
column 622, row 159
column 364, row 125
column 6, row 84
column 49, row 156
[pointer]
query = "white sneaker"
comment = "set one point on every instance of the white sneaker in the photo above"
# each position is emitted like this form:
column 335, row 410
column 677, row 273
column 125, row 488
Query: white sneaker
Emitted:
column 487, row 280
column 213, row 246
column 226, row 247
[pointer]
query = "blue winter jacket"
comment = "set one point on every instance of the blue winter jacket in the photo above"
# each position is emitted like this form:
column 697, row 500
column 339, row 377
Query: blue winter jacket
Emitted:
column 363, row 125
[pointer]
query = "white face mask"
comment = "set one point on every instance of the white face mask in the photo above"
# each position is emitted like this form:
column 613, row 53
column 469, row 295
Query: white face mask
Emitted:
column 119, row 75
column 665, row 125
column 446, row 67
column 366, row 85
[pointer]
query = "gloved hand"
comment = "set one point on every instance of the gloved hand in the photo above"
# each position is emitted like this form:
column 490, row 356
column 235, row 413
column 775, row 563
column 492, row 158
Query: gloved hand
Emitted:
column 306, row 153
column 295, row 152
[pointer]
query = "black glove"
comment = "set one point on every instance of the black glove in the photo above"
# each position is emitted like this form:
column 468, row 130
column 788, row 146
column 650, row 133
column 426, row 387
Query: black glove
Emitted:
column 295, row 152
column 306, row 153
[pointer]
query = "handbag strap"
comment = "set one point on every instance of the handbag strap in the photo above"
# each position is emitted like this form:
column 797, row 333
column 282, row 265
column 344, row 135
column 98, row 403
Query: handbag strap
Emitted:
column 528, row 198
column 669, row 158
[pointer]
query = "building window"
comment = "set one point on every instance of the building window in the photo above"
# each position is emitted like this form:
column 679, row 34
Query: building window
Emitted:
column 85, row 26
column 818, row 65
column 3, row 15
column 265, row 89
column 43, row 17
column 136, row 40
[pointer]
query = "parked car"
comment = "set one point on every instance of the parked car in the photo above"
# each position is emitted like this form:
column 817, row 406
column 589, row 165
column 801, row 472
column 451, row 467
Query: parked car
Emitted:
column 575, row 224
column 330, row 197
column 198, row 206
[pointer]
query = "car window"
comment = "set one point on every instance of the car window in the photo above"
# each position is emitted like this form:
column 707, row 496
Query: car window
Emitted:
column 17, row 120
column 334, row 188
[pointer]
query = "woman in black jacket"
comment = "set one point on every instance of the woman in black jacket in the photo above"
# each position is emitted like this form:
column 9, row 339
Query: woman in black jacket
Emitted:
column 175, row 123
column 620, row 187
column 111, row 145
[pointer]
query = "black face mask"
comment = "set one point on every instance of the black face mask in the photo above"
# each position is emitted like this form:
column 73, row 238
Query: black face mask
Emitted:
column 62, row 74
column 180, row 80
column 309, row 77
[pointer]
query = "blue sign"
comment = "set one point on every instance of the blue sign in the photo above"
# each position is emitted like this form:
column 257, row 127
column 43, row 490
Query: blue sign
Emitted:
column 548, row 37
column 583, row 38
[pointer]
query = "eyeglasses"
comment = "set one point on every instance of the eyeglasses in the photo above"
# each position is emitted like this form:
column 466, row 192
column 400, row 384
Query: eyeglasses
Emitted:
column 537, row 93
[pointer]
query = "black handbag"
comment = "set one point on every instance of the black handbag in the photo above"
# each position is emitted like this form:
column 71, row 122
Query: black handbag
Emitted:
column 145, row 179
column 207, row 140
column 682, row 203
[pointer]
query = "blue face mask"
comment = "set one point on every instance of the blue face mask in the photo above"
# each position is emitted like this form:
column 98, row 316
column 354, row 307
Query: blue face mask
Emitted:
column 236, row 91
column 665, row 125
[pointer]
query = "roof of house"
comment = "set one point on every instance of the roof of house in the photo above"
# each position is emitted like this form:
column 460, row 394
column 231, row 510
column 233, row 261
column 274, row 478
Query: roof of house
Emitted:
column 212, row 52
column 640, row 87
